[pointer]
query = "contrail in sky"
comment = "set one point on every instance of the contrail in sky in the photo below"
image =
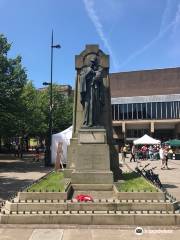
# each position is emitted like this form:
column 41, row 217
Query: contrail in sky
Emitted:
column 163, row 30
column 89, row 6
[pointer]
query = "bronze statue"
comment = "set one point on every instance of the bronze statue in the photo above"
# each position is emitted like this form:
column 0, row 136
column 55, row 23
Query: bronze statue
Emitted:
column 92, row 92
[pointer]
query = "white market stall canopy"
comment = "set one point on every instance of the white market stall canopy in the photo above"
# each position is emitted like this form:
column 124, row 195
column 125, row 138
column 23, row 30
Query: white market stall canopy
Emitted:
column 146, row 140
column 63, row 137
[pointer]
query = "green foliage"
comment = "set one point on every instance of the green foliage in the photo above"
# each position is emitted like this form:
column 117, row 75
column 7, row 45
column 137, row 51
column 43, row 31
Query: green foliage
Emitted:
column 134, row 183
column 12, row 80
column 24, row 110
column 53, row 182
column 62, row 110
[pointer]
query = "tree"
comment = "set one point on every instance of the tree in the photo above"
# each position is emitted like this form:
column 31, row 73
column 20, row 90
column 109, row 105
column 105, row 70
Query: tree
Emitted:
column 12, row 80
column 62, row 110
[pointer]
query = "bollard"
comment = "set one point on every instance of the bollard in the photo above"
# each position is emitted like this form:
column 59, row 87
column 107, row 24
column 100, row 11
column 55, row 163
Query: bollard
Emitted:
column 56, row 211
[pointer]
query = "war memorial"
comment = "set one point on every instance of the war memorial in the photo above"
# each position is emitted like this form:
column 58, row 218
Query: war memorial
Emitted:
column 93, row 167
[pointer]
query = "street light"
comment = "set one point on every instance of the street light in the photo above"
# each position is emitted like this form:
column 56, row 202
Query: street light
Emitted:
column 48, row 143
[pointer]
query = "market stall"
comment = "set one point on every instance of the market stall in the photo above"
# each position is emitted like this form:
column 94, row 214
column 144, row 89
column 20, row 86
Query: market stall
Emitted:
column 146, row 140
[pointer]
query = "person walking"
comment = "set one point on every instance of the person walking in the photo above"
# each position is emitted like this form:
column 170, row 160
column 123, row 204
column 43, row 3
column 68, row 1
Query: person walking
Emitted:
column 133, row 151
column 151, row 155
column 162, row 157
column 124, row 151
column 166, row 149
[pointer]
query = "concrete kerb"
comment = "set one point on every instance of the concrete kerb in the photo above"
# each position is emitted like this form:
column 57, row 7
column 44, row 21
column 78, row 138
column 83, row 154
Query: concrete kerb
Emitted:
column 139, row 195
column 27, row 207
column 45, row 195
column 95, row 219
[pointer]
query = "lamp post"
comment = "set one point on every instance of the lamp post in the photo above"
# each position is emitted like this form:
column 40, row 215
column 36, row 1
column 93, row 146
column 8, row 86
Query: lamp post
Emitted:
column 48, row 142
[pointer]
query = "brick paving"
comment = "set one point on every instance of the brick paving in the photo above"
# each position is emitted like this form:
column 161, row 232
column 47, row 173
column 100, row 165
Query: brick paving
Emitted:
column 16, row 173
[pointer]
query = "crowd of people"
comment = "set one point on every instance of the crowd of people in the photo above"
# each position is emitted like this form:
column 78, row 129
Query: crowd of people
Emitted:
column 145, row 152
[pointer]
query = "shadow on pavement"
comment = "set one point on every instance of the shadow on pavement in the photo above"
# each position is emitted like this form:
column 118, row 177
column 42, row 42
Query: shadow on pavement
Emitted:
column 9, row 186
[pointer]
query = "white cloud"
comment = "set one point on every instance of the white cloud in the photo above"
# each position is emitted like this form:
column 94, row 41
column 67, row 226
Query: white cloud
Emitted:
column 166, row 14
column 173, row 25
column 89, row 6
column 176, row 20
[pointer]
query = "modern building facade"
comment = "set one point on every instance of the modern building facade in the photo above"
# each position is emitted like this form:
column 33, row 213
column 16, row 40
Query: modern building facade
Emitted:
column 146, row 101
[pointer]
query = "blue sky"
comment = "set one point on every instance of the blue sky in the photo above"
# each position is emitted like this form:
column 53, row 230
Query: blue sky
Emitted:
column 138, row 34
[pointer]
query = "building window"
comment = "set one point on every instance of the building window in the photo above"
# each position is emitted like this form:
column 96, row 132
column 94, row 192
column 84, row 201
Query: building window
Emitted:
column 150, row 110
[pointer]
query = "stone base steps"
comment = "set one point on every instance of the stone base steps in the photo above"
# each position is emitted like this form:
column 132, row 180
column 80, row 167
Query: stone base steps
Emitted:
column 90, row 206
column 118, row 218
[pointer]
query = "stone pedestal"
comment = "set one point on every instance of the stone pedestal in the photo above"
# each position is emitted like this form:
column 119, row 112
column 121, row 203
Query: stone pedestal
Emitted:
column 93, row 162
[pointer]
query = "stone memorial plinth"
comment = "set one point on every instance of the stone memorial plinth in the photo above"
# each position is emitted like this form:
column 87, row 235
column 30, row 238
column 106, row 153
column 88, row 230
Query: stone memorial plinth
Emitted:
column 93, row 164
column 92, row 136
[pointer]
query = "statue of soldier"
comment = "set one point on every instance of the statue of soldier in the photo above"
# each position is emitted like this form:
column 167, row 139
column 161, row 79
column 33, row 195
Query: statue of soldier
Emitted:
column 92, row 92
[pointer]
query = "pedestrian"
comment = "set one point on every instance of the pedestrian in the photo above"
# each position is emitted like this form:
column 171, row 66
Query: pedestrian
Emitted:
column 151, row 154
column 133, row 151
column 166, row 149
column 162, row 157
column 144, row 150
column 123, row 152
column 37, row 153
column 59, row 157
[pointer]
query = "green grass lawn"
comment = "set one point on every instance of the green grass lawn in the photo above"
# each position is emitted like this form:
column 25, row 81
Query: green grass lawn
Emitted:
column 134, row 182
column 53, row 182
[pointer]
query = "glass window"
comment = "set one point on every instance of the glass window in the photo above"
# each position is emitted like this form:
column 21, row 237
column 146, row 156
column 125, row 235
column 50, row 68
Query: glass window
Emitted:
column 148, row 110
column 173, row 110
column 120, row 112
column 168, row 110
column 163, row 109
column 158, row 110
column 134, row 111
column 139, row 115
column 154, row 110
column 178, row 110
column 125, row 111
column 144, row 110
column 116, row 111
column 130, row 111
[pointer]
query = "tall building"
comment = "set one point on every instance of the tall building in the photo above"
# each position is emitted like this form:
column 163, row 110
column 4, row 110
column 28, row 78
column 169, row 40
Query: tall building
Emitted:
column 146, row 101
